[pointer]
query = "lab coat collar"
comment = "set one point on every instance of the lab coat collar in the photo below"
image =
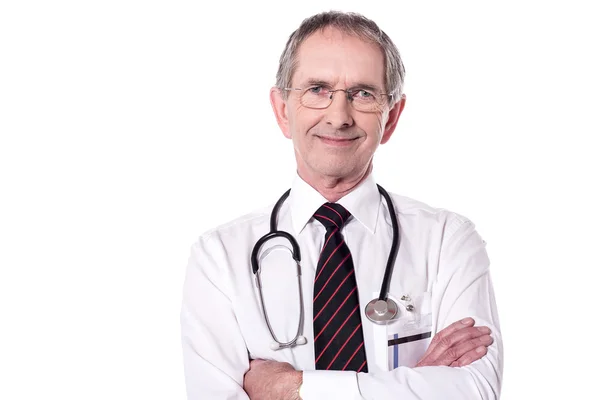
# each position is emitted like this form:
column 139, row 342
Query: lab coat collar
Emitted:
column 363, row 203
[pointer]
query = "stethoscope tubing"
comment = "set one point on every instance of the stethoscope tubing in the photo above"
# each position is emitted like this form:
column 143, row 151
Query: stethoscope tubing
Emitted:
column 389, row 268
column 300, row 320
column 273, row 233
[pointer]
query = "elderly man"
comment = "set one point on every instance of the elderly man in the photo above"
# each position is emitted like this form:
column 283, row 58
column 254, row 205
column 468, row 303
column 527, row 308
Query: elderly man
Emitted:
column 393, row 300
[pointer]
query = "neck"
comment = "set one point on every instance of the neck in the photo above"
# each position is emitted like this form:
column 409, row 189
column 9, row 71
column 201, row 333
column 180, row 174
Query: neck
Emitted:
column 331, row 187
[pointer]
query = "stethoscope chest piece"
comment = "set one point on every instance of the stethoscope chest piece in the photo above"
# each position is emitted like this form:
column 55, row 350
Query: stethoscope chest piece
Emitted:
column 381, row 311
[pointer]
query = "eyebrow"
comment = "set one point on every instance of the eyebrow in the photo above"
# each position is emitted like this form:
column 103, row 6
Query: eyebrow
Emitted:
column 367, row 87
column 361, row 85
column 318, row 82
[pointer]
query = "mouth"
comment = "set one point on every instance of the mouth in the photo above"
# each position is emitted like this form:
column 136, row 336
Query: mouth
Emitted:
column 336, row 141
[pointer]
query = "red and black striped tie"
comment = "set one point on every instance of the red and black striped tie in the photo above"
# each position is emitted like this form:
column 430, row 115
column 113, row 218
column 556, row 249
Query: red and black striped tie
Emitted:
column 339, row 343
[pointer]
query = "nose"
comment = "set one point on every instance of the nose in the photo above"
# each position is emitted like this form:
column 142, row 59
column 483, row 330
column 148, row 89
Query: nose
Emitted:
column 339, row 112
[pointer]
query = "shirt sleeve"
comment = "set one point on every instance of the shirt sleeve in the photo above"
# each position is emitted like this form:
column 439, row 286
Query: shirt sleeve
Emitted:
column 463, row 288
column 215, row 358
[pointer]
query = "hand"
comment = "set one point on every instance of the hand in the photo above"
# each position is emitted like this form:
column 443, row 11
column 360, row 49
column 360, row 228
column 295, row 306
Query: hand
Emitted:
column 272, row 380
column 457, row 345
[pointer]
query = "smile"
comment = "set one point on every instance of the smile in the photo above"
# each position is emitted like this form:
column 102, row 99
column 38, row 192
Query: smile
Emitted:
column 340, row 142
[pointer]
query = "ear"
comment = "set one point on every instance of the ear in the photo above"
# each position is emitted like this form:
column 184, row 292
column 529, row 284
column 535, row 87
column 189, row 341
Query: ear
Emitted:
column 279, row 106
column 393, row 116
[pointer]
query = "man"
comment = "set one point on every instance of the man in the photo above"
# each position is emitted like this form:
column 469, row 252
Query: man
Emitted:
column 338, row 97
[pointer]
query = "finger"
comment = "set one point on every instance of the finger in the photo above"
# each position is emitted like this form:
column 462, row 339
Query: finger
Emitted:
column 456, row 352
column 470, row 357
column 456, row 326
column 445, row 346
column 480, row 331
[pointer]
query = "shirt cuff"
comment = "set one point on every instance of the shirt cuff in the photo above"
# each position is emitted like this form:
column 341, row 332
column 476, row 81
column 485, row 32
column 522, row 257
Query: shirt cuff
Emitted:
column 331, row 385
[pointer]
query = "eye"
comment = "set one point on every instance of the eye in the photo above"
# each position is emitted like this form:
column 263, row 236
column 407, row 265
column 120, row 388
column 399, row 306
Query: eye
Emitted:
column 316, row 90
column 363, row 94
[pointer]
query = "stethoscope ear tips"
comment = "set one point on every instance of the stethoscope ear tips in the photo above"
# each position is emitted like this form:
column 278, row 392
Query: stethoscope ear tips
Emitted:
column 275, row 346
column 301, row 340
column 278, row 346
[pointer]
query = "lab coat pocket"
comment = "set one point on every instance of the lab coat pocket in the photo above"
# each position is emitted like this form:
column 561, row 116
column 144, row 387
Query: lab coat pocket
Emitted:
column 409, row 335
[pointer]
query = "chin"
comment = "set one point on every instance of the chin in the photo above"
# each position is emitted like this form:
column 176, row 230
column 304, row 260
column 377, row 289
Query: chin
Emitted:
column 338, row 171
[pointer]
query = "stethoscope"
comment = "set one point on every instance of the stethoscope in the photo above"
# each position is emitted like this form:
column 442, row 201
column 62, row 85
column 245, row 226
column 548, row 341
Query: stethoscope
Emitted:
column 379, row 310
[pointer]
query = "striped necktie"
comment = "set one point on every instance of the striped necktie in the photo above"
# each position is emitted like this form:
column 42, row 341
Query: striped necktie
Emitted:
column 339, row 343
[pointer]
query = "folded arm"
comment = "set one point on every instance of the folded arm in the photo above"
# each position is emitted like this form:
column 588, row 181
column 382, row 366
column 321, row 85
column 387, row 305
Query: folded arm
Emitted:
column 216, row 359
column 463, row 289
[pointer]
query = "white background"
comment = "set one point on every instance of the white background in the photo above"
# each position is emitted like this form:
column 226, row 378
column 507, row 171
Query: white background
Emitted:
column 128, row 128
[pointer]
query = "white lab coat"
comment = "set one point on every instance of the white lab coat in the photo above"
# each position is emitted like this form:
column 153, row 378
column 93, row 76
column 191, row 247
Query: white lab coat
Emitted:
column 442, row 266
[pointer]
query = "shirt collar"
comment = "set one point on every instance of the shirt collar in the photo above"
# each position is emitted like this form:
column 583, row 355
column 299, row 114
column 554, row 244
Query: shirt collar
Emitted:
column 362, row 202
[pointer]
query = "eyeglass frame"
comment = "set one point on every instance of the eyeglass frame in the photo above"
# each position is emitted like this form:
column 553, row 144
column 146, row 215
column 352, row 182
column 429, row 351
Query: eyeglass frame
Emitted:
column 348, row 96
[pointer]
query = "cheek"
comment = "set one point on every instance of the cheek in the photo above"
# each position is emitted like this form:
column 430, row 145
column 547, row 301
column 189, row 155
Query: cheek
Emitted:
column 379, row 122
column 303, row 120
column 372, row 125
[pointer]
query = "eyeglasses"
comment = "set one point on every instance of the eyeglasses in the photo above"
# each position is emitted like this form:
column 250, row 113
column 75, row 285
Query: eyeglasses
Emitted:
column 365, row 100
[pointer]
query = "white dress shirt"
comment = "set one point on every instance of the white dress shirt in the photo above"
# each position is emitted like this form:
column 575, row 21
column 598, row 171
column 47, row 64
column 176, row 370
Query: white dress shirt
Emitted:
column 442, row 268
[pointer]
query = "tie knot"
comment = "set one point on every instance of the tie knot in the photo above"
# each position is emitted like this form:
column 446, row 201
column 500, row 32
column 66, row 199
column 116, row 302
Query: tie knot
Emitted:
column 332, row 215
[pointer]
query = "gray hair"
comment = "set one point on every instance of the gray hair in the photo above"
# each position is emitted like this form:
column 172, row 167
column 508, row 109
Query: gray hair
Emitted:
column 352, row 24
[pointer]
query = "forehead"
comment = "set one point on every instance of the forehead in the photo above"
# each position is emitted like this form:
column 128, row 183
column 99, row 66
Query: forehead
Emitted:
column 341, row 59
